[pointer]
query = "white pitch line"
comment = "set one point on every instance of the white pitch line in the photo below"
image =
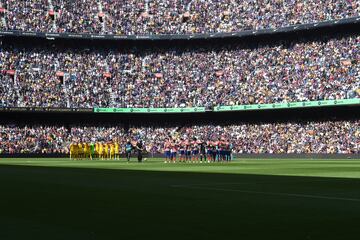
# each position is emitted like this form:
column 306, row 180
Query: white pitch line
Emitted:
column 271, row 193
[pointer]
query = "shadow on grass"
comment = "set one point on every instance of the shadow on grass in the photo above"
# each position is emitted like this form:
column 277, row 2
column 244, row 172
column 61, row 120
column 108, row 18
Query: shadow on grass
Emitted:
column 78, row 203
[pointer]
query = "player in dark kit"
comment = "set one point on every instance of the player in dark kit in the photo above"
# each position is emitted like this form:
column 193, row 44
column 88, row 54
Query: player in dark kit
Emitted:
column 128, row 149
column 203, row 151
column 227, row 151
column 188, row 151
column 139, row 149
column 216, row 153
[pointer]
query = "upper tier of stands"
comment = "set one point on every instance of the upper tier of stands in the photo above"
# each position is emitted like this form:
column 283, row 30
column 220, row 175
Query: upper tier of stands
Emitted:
column 54, row 76
column 134, row 17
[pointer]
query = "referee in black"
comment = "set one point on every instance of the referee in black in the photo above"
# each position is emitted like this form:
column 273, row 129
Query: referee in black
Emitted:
column 203, row 151
column 139, row 149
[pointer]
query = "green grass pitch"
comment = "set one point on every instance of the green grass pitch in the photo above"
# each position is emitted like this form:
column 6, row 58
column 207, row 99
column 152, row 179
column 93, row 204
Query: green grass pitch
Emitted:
column 246, row 199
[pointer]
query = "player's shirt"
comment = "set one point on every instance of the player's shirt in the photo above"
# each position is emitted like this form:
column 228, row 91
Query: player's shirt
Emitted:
column 101, row 148
column 73, row 151
column 72, row 148
column 182, row 145
column 223, row 145
column 227, row 146
column 195, row 146
column 117, row 148
column 86, row 148
column 112, row 149
column 231, row 146
column 92, row 148
column 80, row 148
column 167, row 146
column 106, row 149
column 188, row 146
column 213, row 146
column 128, row 148
column 218, row 145
column 203, row 148
column 173, row 148
column 96, row 148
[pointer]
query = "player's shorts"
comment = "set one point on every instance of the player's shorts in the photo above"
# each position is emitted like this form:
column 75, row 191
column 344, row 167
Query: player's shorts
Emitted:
column 173, row 154
column 195, row 152
column 209, row 152
column 167, row 154
column 182, row 152
column 188, row 153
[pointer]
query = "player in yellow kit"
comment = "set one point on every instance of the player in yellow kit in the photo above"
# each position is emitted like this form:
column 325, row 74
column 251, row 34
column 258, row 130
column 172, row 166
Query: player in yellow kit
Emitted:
column 96, row 150
column 72, row 151
column 76, row 151
column 112, row 151
column 80, row 150
column 106, row 150
column 88, row 153
column 86, row 150
column 117, row 151
column 101, row 146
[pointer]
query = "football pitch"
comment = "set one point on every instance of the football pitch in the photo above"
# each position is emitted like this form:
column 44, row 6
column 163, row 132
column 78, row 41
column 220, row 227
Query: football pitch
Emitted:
column 245, row 199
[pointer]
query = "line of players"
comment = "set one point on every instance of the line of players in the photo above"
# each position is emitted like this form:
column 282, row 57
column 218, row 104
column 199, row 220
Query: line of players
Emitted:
column 197, row 150
column 175, row 150
column 98, row 150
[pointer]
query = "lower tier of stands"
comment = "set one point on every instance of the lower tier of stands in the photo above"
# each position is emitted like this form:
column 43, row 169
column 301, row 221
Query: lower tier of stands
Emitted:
column 292, row 137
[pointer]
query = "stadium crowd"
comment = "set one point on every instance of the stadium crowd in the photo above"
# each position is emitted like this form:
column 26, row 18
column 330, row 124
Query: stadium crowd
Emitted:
column 128, row 17
column 293, row 137
column 52, row 76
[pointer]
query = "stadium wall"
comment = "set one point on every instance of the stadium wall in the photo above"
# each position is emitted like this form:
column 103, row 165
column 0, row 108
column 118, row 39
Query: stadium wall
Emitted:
column 178, row 119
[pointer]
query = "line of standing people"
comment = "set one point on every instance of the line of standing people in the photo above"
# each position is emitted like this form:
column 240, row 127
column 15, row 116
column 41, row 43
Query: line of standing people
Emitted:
column 197, row 150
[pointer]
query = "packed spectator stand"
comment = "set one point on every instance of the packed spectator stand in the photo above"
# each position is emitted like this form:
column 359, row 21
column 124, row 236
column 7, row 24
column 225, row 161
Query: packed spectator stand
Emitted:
column 326, row 137
column 52, row 76
column 129, row 17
